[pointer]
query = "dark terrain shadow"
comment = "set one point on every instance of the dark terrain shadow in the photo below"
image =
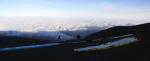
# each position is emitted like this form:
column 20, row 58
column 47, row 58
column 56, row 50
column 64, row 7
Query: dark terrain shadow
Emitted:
column 138, row 51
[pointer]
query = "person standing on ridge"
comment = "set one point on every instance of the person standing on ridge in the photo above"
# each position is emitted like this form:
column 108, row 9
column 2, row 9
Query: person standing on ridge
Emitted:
column 59, row 37
column 78, row 37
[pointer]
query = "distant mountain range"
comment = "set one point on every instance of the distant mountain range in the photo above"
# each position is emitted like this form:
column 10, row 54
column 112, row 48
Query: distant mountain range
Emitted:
column 18, row 38
column 53, row 35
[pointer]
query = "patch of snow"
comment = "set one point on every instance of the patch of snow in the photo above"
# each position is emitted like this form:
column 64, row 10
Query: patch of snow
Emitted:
column 28, row 47
column 108, row 45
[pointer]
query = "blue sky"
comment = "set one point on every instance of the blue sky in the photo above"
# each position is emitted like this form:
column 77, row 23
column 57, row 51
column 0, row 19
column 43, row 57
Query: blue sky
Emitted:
column 14, row 12
column 73, row 8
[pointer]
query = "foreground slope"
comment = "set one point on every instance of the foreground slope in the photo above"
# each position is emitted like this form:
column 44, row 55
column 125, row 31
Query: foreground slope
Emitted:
column 138, row 51
column 64, row 52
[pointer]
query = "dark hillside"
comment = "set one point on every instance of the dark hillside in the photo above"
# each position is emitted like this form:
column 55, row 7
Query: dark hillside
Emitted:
column 138, row 51
column 64, row 52
column 13, row 41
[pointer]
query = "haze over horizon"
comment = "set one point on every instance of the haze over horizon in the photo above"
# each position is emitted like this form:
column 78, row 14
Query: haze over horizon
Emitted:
column 25, row 14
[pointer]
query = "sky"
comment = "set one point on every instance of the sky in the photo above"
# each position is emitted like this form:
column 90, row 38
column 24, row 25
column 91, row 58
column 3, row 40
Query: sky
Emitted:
column 27, row 11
